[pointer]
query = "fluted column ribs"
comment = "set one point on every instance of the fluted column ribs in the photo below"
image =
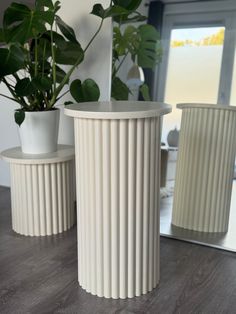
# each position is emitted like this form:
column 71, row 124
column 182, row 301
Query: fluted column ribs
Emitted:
column 123, row 196
column 131, row 207
column 99, row 208
column 118, row 227
column 139, row 206
column 115, row 230
column 42, row 205
column 156, row 231
column 204, row 172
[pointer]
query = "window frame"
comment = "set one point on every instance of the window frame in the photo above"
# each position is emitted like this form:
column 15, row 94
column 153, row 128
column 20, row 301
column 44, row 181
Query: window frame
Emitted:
column 192, row 15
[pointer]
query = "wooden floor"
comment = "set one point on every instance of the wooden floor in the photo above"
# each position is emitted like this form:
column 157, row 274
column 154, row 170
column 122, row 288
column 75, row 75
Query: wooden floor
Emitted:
column 39, row 275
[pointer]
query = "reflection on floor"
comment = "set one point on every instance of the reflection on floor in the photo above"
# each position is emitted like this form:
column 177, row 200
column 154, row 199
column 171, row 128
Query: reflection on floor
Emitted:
column 224, row 241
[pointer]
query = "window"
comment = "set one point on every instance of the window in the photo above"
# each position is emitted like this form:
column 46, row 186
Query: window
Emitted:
column 199, row 43
column 194, row 66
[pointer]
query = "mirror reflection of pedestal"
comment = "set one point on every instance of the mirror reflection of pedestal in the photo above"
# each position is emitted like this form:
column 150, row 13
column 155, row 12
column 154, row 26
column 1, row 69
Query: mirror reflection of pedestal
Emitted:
column 224, row 241
column 205, row 171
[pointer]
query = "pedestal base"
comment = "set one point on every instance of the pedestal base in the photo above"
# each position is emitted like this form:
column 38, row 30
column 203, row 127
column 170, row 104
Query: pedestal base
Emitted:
column 42, row 191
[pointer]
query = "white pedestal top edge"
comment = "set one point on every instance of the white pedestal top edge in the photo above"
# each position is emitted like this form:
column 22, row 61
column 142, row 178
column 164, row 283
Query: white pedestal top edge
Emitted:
column 16, row 156
column 205, row 106
column 117, row 109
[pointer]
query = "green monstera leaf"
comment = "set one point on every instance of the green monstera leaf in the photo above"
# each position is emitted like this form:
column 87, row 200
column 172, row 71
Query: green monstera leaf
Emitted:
column 60, row 74
column 119, row 90
column 131, row 5
column 144, row 90
column 2, row 36
column 21, row 23
column 68, row 53
column 149, row 49
column 66, row 30
column 19, row 117
column 142, row 42
column 42, row 84
column 112, row 11
column 127, row 42
column 132, row 15
column 25, row 87
column 12, row 60
column 86, row 91
column 44, row 3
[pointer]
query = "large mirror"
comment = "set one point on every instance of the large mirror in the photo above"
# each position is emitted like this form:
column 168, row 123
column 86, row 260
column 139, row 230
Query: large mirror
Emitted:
column 198, row 66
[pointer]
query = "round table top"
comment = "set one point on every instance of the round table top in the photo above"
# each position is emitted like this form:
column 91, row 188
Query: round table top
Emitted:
column 16, row 156
column 206, row 106
column 117, row 109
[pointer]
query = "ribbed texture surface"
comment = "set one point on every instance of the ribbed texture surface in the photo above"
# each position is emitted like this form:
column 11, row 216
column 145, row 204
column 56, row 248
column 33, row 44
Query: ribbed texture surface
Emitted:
column 42, row 198
column 205, row 169
column 117, row 165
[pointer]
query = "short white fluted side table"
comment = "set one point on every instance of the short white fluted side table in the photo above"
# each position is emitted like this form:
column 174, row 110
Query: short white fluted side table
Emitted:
column 42, row 191
column 117, row 147
column 205, row 167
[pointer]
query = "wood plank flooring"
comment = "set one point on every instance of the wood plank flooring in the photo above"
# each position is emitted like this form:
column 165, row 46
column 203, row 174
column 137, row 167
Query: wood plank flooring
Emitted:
column 39, row 275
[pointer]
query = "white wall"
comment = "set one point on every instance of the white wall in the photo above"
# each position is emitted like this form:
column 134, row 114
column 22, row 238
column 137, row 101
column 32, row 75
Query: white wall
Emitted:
column 97, row 65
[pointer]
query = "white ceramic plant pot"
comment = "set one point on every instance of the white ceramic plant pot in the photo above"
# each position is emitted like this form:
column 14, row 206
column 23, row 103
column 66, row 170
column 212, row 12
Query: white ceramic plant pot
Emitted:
column 39, row 132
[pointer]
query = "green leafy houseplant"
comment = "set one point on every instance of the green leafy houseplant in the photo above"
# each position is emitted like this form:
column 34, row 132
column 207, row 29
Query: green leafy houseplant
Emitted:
column 141, row 43
column 36, row 44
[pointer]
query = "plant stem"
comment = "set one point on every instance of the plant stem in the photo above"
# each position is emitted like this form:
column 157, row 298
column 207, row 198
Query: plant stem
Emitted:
column 122, row 61
column 62, row 95
column 9, row 98
column 63, row 82
column 19, row 100
column 36, row 57
column 16, row 76
column 94, row 36
column 44, row 52
column 67, row 76
column 53, row 63
column 46, row 101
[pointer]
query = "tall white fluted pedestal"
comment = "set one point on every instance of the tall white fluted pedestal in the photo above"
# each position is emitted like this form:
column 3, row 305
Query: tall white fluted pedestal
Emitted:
column 117, row 163
column 42, row 191
column 205, row 167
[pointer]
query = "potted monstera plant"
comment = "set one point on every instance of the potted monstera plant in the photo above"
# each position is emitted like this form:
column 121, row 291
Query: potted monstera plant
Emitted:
column 38, row 54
